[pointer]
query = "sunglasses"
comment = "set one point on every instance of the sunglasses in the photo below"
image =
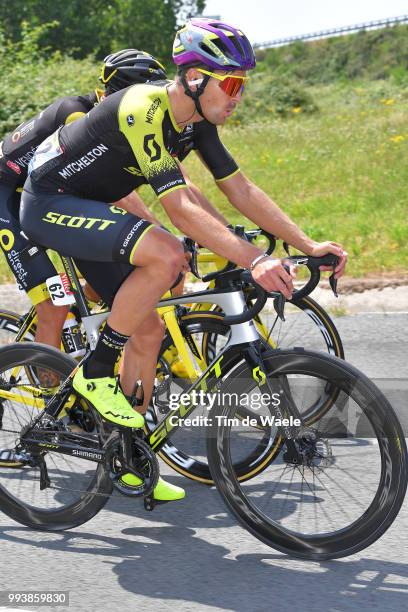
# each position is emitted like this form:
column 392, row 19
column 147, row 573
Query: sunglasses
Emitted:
column 231, row 85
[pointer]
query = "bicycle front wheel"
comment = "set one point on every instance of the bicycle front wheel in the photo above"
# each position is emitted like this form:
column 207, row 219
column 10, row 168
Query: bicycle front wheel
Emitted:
column 339, row 485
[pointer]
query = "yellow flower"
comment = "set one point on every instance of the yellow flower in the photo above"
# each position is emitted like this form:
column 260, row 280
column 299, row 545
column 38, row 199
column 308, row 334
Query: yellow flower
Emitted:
column 297, row 109
column 279, row 160
column 398, row 138
column 388, row 101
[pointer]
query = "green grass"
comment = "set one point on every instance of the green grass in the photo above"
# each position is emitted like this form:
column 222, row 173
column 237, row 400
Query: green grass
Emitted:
column 341, row 173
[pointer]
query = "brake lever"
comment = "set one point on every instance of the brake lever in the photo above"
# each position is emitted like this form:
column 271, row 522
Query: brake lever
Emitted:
column 286, row 247
column 189, row 246
column 280, row 300
column 279, row 306
column 333, row 284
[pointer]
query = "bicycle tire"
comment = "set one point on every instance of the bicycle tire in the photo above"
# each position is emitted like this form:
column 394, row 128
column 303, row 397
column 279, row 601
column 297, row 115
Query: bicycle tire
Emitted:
column 332, row 343
column 211, row 324
column 172, row 454
column 391, row 467
column 96, row 494
column 10, row 323
column 327, row 335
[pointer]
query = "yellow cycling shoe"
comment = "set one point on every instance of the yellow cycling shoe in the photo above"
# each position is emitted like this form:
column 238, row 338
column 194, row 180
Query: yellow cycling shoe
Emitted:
column 164, row 491
column 179, row 369
column 171, row 355
column 108, row 399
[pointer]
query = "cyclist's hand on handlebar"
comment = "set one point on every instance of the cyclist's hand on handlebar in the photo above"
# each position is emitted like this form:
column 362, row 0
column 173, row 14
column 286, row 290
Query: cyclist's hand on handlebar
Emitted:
column 322, row 248
column 272, row 276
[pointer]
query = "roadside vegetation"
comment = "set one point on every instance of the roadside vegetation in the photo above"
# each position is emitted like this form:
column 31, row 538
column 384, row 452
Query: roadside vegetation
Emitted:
column 322, row 128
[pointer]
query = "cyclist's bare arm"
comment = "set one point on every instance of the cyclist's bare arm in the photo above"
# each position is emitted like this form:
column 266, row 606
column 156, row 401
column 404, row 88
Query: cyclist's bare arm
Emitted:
column 192, row 220
column 134, row 204
column 201, row 199
column 257, row 206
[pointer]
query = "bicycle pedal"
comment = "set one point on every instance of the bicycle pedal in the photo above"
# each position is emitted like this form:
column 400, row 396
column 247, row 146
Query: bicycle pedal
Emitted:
column 149, row 503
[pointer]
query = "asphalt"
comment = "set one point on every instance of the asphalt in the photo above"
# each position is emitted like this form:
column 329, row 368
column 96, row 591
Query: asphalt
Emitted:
column 193, row 557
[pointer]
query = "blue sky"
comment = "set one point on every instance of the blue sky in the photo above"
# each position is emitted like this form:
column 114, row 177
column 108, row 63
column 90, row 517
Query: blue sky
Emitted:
column 263, row 20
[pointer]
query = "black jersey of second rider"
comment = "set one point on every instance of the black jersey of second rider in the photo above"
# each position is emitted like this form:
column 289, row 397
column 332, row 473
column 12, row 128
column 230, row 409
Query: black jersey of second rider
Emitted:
column 17, row 148
column 131, row 138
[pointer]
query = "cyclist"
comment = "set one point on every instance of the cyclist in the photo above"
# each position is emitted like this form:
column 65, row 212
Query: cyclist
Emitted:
column 132, row 139
column 31, row 267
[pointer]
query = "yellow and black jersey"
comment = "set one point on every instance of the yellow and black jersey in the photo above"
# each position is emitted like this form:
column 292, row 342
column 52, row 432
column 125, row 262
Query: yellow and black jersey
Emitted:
column 18, row 148
column 130, row 139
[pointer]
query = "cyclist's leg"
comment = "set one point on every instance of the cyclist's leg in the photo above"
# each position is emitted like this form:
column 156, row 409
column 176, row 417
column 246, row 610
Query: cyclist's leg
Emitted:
column 141, row 351
column 107, row 234
column 103, row 279
column 140, row 354
column 140, row 358
column 30, row 272
column 51, row 320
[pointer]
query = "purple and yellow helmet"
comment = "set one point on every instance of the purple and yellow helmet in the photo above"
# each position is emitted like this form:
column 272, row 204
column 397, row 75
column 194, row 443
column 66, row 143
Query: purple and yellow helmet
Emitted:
column 213, row 43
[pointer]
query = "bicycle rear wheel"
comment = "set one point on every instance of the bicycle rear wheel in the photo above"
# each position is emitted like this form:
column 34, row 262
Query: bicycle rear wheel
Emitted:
column 186, row 452
column 10, row 324
column 306, row 324
column 79, row 488
column 345, row 486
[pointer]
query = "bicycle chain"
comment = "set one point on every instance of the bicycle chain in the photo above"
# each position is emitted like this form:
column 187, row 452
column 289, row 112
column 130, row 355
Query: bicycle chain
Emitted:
column 56, row 487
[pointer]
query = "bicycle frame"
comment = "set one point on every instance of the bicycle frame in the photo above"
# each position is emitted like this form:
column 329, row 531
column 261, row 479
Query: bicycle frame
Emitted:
column 244, row 342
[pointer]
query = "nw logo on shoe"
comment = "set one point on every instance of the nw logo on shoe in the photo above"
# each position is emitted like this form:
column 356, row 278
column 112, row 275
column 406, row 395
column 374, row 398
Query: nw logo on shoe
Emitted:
column 91, row 386
column 119, row 416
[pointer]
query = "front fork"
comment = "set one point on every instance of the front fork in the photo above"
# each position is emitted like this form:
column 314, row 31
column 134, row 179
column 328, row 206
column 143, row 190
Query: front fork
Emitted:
column 286, row 409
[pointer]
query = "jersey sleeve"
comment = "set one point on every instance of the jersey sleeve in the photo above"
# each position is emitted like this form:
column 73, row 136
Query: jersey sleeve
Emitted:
column 70, row 109
column 215, row 155
column 141, row 121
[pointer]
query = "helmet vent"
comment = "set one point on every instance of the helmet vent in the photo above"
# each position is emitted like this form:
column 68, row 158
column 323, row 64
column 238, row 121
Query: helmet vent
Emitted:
column 204, row 47
column 237, row 45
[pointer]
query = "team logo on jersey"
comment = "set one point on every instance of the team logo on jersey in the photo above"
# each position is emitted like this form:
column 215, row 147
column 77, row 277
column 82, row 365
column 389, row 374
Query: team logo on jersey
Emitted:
column 130, row 120
column 151, row 147
column 24, row 160
column 134, row 171
column 131, row 234
column 23, row 131
column 78, row 222
column 14, row 166
column 6, row 239
column 152, row 110
column 117, row 210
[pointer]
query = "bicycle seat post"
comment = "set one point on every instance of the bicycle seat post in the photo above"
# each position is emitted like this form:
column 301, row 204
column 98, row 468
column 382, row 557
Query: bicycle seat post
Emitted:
column 76, row 287
column 91, row 322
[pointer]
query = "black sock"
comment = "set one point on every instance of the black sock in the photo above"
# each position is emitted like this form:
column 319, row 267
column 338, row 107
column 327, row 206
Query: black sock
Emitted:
column 102, row 361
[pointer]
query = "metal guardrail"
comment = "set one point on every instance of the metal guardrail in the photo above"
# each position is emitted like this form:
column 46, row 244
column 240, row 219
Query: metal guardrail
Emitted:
column 334, row 32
